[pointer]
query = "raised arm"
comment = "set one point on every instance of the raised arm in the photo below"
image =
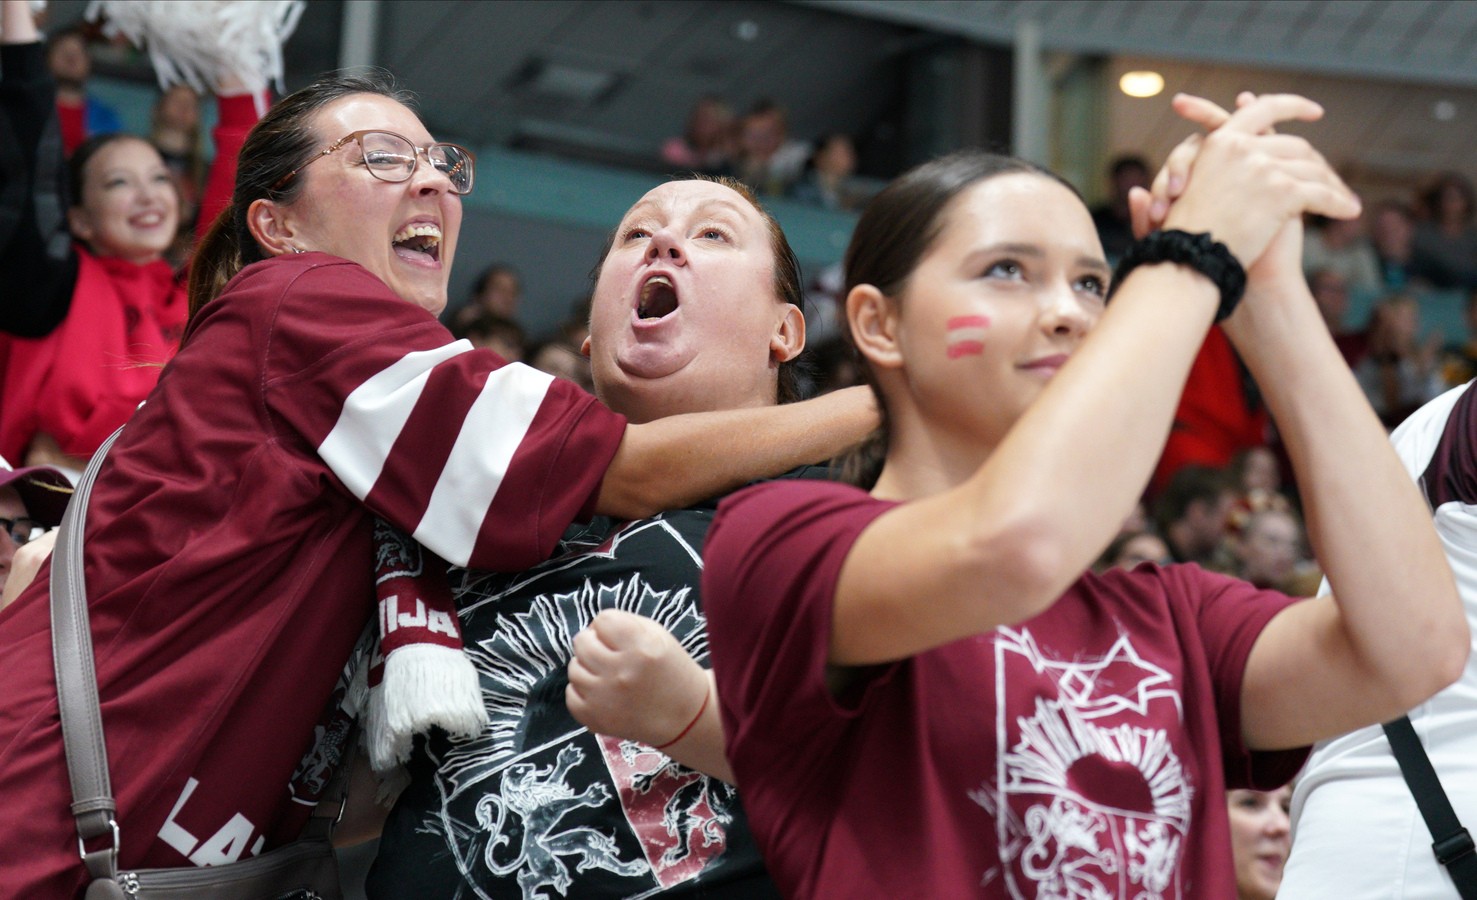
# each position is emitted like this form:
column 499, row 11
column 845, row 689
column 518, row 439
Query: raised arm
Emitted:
column 1393, row 633
column 678, row 460
column 1005, row 543
column 35, row 247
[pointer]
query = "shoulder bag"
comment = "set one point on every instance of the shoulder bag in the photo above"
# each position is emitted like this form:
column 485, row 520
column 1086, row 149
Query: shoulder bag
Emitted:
column 303, row 870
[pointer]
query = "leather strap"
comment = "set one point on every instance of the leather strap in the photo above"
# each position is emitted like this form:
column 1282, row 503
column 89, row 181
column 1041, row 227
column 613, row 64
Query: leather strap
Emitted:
column 1453, row 844
column 81, row 714
column 76, row 685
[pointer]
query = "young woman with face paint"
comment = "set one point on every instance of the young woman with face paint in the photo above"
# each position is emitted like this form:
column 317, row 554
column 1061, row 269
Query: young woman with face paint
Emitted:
column 923, row 692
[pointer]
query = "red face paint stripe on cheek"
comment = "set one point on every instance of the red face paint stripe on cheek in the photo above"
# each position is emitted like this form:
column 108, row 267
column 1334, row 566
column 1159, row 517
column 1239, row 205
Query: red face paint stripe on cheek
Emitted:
column 966, row 335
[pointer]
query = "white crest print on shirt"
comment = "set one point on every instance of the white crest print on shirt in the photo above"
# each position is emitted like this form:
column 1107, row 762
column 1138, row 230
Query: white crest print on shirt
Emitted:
column 517, row 802
column 1090, row 799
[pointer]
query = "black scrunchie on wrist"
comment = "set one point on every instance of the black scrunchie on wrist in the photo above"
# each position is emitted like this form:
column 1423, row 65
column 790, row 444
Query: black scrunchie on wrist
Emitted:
column 1198, row 251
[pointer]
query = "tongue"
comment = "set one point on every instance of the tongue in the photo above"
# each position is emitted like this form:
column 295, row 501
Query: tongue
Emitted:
column 404, row 251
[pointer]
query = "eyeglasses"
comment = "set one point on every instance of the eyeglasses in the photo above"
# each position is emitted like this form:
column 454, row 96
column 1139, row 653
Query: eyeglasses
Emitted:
column 22, row 530
column 393, row 158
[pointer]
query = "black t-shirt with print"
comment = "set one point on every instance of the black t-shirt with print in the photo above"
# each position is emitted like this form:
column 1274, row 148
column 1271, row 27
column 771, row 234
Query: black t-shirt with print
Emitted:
column 539, row 807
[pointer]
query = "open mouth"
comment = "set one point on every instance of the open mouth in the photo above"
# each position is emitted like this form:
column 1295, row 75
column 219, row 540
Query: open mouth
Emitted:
column 419, row 241
column 658, row 298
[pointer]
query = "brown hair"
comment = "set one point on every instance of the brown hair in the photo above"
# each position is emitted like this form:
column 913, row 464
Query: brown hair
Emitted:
column 787, row 284
column 280, row 143
column 892, row 236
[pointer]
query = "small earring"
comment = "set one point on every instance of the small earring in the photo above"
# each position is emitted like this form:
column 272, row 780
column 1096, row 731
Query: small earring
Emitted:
column 297, row 249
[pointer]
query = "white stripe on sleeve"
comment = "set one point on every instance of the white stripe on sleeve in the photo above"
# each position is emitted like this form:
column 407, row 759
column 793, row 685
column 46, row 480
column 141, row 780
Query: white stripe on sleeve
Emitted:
column 374, row 415
column 494, row 428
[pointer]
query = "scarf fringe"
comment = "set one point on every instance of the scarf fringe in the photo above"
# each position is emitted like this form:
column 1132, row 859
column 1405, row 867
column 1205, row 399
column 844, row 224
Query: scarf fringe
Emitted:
column 423, row 685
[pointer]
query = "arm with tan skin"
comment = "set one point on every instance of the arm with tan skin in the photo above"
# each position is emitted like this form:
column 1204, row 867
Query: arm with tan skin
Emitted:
column 630, row 678
column 678, row 460
column 1004, row 544
column 17, row 25
column 1329, row 665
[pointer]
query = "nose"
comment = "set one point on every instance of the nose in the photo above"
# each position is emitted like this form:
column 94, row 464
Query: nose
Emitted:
column 427, row 179
column 1067, row 313
column 1278, row 822
column 667, row 247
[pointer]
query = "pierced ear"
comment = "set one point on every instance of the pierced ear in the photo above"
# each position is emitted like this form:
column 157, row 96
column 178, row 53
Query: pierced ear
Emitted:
column 269, row 225
column 80, row 224
column 873, row 318
column 789, row 335
column 585, row 347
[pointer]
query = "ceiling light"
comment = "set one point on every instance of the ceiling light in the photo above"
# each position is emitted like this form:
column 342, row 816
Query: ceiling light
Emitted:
column 1444, row 111
column 1141, row 84
column 746, row 30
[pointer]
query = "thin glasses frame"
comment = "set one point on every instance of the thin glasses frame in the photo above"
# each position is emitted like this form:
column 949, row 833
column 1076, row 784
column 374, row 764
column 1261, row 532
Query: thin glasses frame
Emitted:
column 358, row 138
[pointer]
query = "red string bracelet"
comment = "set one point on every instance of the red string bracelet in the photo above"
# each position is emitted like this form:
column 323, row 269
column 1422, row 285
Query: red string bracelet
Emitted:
column 700, row 710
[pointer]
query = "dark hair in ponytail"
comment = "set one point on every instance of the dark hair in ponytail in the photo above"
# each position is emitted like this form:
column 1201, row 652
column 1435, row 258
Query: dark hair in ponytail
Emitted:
column 283, row 141
column 896, row 229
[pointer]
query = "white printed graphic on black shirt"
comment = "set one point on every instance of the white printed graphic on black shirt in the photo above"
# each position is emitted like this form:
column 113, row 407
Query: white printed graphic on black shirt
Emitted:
column 1090, row 798
column 536, row 797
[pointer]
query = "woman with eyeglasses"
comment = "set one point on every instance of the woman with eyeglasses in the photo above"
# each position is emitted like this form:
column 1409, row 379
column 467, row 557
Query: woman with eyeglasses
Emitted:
column 94, row 306
column 228, row 545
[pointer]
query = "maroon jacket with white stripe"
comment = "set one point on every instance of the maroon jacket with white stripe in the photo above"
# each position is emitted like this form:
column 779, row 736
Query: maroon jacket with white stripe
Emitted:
column 229, row 561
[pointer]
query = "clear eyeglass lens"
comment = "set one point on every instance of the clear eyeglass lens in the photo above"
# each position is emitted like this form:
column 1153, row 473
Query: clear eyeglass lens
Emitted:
column 392, row 158
column 388, row 156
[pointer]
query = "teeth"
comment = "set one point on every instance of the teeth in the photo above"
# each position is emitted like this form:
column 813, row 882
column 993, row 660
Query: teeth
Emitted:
column 646, row 288
column 422, row 230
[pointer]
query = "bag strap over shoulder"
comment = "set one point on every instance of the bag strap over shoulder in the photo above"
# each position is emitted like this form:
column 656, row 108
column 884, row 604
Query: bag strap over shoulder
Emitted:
column 1453, row 844
column 76, row 686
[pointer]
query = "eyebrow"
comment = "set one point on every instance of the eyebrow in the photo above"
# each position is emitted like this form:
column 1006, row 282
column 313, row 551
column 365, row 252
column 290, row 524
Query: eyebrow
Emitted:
column 1035, row 252
column 729, row 205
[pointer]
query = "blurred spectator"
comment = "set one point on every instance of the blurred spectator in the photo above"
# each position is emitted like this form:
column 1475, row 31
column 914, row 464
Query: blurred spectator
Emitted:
column 769, row 161
column 81, row 116
column 1111, row 218
column 1399, row 372
column 1392, row 234
column 1445, row 244
column 1331, row 293
column 32, row 501
column 1340, row 246
column 1268, row 549
column 502, row 336
column 1261, row 836
column 1193, row 513
column 175, row 132
column 498, row 290
column 1130, row 549
column 1220, row 414
column 827, row 179
column 1255, row 471
column 708, row 142
column 560, row 359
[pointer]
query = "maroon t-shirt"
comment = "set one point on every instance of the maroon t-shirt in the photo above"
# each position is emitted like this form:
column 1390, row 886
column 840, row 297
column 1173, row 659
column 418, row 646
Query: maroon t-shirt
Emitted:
column 228, row 554
column 1081, row 753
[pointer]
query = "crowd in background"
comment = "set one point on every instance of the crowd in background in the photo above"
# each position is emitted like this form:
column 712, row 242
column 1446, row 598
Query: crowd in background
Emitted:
column 1233, row 511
